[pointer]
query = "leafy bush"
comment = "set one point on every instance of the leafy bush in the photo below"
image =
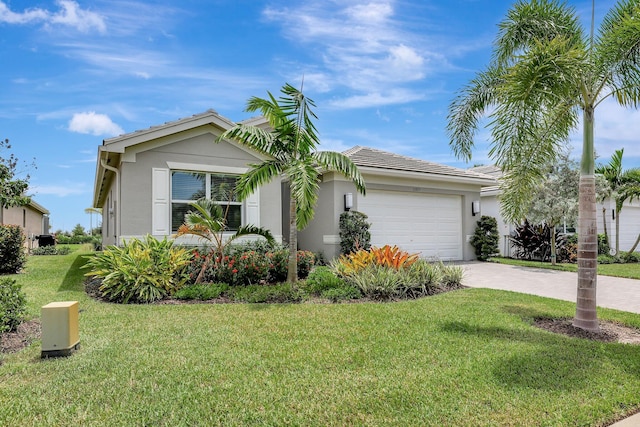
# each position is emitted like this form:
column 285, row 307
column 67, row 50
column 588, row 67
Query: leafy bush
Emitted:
column 420, row 279
column 632, row 257
column 13, row 304
column 201, row 291
column 533, row 242
column 485, row 238
column 279, row 265
column 341, row 293
column 452, row 276
column 252, row 267
column 321, row 279
column 354, row 232
column 388, row 256
column 280, row 293
column 12, row 252
column 376, row 281
column 306, row 261
column 609, row 259
column 51, row 250
column 140, row 271
column 603, row 245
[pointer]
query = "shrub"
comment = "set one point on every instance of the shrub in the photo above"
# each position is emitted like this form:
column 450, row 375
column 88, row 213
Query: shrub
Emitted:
column 201, row 291
column 533, row 242
column 13, row 304
column 140, row 271
column 321, row 279
column 389, row 256
column 341, row 293
column 278, row 265
column 252, row 268
column 609, row 259
column 51, row 250
column 632, row 257
column 485, row 238
column 452, row 276
column 603, row 245
column 354, row 232
column 420, row 279
column 12, row 253
column 280, row 293
column 306, row 261
column 376, row 281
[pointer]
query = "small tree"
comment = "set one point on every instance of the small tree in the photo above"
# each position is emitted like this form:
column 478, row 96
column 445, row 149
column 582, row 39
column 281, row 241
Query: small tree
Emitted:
column 555, row 199
column 354, row 232
column 486, row 237
column 12, row 189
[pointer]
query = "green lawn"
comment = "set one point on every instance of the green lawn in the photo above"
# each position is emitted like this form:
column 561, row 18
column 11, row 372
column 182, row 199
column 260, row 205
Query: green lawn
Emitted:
column 467, row 357
column 631, row 270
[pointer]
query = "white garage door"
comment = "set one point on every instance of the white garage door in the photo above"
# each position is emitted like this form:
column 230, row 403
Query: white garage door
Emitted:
column 430, row 224
column 629, row 227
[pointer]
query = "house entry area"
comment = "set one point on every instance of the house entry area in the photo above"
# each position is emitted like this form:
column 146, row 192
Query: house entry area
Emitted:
column 429, row 224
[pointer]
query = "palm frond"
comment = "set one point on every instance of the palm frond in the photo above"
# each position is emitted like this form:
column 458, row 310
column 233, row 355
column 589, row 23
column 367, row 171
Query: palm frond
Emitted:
column 338, row 162
column 258, row 175
column 303, row 182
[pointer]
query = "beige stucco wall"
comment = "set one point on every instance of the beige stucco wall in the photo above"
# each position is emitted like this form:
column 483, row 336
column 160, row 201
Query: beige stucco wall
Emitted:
column 29, row 219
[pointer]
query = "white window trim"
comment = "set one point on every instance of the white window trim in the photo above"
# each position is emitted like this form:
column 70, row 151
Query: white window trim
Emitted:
column 194, row 167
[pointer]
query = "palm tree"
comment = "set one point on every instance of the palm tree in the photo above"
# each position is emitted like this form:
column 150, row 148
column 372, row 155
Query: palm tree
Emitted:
column 208, row 221
column 291, row 149
column 545, row 71
column 617, row 178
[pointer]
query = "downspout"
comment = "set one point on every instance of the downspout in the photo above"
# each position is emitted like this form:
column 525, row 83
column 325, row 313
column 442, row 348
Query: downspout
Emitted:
column 116, row 224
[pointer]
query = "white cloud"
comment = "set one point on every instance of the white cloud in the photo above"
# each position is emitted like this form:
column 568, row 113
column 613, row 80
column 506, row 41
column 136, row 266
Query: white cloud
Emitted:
column 398, row 96
column 95, row 124
column 70, row 14
column 64, row 190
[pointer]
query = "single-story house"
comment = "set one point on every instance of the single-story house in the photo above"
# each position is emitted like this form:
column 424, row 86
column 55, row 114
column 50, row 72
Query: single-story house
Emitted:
column 32, row 217
column 146, row 179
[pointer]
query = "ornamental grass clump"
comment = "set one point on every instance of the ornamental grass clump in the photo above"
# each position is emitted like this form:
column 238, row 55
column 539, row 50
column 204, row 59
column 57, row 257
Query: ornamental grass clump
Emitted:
column 141, row 271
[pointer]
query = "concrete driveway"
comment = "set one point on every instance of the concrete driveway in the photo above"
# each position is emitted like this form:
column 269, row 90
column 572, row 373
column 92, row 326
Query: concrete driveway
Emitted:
column 613, row 292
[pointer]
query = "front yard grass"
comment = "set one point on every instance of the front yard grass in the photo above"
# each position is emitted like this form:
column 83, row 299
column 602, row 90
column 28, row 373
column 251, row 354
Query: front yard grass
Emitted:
column 468, row 357
column 628, row 270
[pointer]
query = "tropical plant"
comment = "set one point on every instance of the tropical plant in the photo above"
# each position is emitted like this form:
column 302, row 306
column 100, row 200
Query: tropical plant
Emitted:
column 291, row 151
column 140, row 270
column 486, row 237
column 544, row 71
column 618, row 179
column 533, row 241
column 354, row 232
column 208, row 220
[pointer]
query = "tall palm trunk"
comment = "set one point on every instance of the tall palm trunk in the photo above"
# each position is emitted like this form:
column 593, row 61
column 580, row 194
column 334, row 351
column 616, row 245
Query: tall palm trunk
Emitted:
column 292, row 271
column 553, row 245
column 633, row 249
column 618, row 229
column 586, row 315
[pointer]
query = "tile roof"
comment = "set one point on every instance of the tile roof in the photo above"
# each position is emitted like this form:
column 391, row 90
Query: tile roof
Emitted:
column 373, row 158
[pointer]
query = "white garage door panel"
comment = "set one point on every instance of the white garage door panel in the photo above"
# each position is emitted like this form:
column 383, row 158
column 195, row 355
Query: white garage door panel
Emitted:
column 629, row 227
column 426, row 223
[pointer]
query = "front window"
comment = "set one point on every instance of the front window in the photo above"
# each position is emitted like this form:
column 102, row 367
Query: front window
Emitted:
column 187, row 187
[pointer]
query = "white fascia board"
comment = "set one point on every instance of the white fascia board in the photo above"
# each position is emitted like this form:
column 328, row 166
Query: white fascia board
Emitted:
column 483, row 182
column 205, row 168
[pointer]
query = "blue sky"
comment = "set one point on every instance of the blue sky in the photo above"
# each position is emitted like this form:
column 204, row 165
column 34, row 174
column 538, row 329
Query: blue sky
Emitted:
column 382, row 73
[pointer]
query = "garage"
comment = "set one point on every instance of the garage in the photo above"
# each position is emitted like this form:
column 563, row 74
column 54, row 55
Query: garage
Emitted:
column 429, row 224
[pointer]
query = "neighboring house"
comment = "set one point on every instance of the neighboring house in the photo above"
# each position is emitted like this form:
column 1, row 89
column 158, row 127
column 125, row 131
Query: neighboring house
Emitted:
column 629, row 216
column 33, row 218
column 629, row 222
column 145, row 180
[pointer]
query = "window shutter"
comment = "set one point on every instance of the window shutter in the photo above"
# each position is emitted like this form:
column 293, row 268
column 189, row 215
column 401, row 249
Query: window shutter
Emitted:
column 161, row 202
column 252, row 206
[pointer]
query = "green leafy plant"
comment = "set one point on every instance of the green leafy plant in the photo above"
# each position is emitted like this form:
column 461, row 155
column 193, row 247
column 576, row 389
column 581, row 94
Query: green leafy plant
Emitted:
column 12, row 253
column 280, row 293
column 51, row 250
column 420, row 279
column 201, row 291
column 354, row 232
column 306, row 261
column 485, row 238
column 341, row 293
column 452, row 276
column 321, row 279
column 376, row 281
column 13, row 304
column 140, row 271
